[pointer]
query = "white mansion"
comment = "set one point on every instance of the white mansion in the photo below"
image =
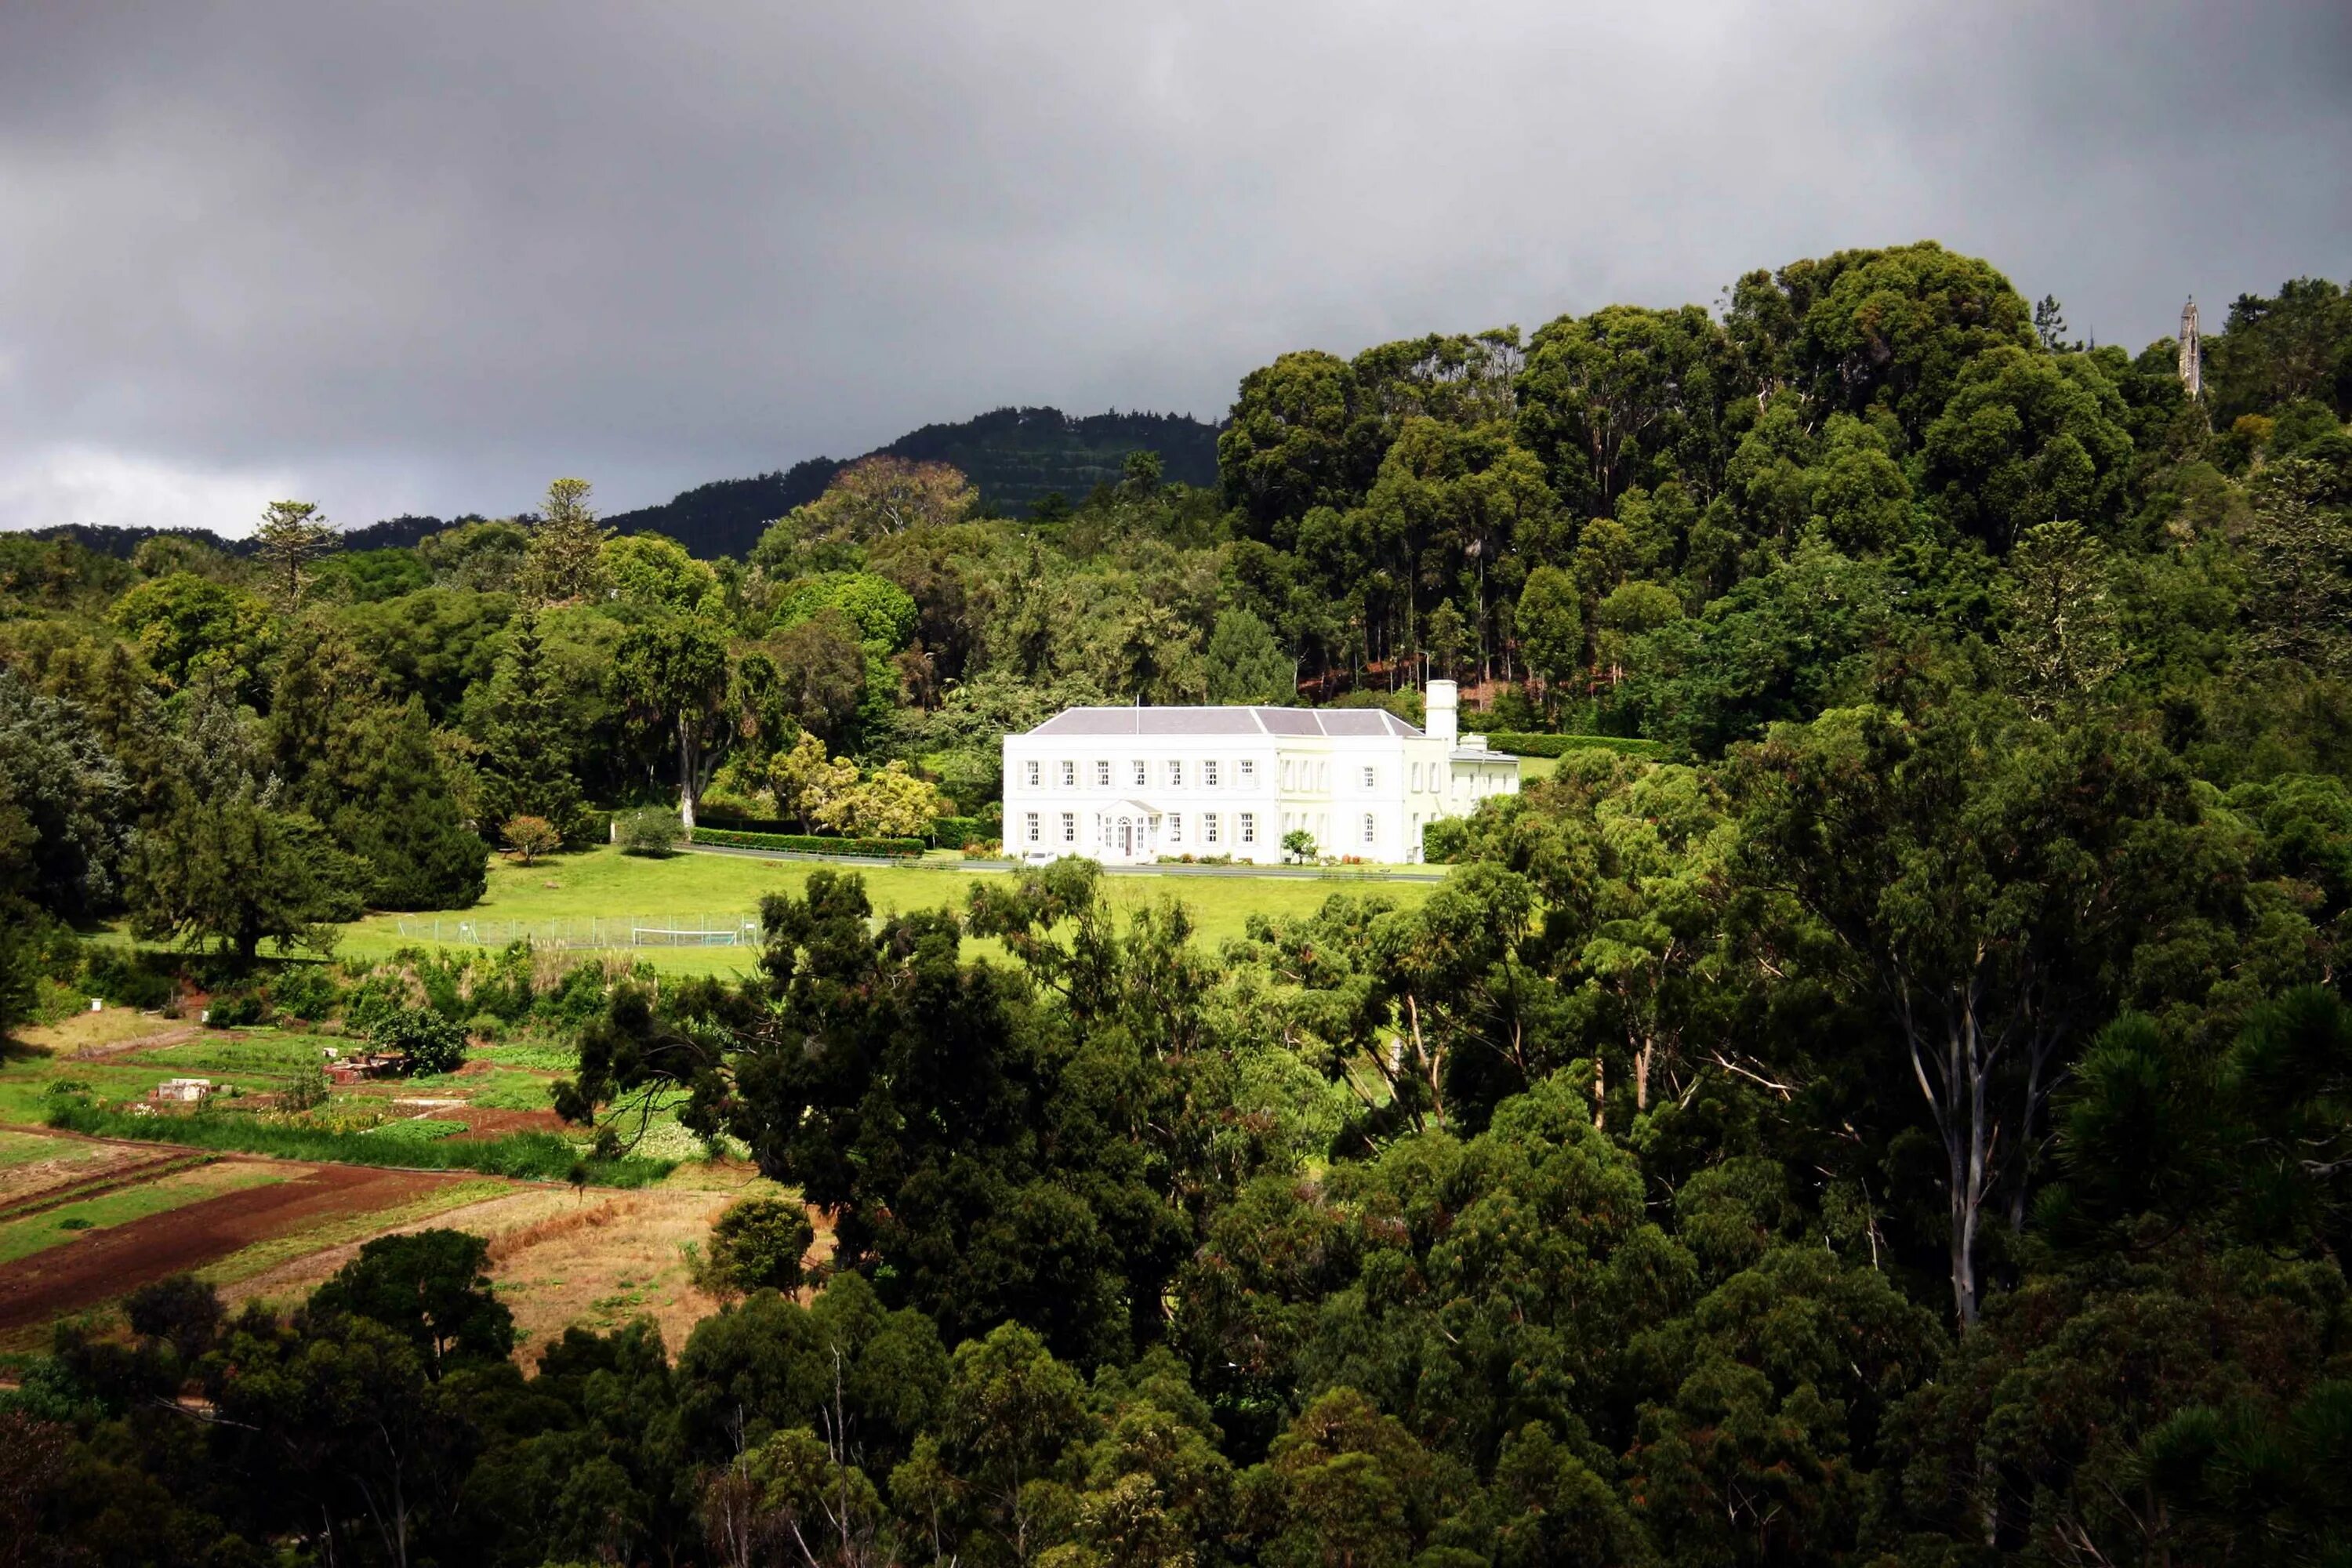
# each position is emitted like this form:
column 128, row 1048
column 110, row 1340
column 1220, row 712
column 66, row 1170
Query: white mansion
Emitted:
column 1128, row 785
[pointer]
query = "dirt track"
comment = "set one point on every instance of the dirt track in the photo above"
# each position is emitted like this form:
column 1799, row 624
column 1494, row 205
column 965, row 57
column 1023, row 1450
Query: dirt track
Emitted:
column 102, row 1265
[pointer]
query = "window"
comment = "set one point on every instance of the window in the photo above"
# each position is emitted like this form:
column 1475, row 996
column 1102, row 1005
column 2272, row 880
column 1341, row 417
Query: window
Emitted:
column 1139, row 772
column 1208, row 826
column 1035, row 835
column 1249, row 772
column 1175, row 773
column 1416, row 778
column 1285, row 773
column 1323, row 777
column 1069, row 776
column 1069, row 828
column 1102, row 772
column 1175, row 827
column 1208, row 774
column 1035, row 768
column 1372, row 827
column 1249, row 824
column 1371, row 778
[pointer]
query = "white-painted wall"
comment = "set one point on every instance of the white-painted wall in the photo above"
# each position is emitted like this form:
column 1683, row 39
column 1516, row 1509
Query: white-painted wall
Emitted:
column 1368, row 796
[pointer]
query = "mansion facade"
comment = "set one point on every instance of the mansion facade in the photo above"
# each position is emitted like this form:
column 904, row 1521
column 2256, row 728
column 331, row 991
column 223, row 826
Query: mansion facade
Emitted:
column 1131, row 785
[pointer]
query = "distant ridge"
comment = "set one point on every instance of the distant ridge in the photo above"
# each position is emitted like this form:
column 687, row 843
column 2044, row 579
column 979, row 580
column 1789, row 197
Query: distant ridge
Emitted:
column 1015, row 457
column 105, row 539
column 726, row 517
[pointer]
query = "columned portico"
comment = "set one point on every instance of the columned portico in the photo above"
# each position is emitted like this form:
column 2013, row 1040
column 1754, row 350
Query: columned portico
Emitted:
column 1127, row 833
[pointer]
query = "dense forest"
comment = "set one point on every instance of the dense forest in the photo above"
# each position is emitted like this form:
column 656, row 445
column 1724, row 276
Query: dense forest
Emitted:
column 1910, row 1122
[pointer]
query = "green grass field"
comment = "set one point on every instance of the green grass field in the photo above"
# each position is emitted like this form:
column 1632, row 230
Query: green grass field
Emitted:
column 603, row 883
column 27, row 1148
column 24, row 1086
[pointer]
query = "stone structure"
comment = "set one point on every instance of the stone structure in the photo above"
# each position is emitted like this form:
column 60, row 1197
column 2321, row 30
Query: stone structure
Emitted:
column 2192, row 351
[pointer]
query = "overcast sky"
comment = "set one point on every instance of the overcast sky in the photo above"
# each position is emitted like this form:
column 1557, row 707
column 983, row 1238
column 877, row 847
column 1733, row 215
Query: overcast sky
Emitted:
column 426, row 256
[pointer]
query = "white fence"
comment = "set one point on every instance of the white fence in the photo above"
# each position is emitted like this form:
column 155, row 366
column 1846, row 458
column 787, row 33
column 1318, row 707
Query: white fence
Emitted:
column 587, row 932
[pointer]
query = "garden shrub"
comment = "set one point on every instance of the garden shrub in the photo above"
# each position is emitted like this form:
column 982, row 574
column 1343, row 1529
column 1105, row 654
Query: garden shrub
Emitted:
column 234, row 1011
column 649, row 830
column 426, row 1041
column 574, row 1001
column 378, row 996
column 758, row 1245
column 306, row 991
column 126, row 978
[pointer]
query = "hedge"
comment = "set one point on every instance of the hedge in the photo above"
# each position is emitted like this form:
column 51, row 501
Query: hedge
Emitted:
column 1524, row 745
column 811, row 844
column 728, row 822
column 955, row 832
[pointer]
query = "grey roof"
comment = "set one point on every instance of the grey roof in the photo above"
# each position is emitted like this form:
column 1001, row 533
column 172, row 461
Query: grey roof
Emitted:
column 1224, row 721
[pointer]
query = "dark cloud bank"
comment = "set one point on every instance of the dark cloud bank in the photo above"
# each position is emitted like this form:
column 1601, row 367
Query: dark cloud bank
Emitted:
column 424, row 257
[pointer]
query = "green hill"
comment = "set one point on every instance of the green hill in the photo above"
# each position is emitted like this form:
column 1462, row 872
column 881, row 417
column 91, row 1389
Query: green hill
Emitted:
column 1016, row 457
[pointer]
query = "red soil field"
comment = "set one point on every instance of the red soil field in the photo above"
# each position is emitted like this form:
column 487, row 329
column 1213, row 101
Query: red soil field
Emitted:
column 483, row 1124
column 102, row 1265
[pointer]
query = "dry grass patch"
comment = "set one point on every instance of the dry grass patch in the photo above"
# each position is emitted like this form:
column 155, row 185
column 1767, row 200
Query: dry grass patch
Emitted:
column 599, row 1267
column 113, row 1028
column 556, row 1257
column 31, row 1163
column 286, row 1268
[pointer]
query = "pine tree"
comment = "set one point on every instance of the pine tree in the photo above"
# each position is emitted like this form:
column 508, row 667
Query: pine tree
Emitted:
column 317, row 739
column 402, row 821
column 530, row 755
column 566, row 547
column 292, row 534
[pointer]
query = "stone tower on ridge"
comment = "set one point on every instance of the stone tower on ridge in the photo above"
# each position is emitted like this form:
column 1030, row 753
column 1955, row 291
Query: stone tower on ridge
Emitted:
column 2192, row 351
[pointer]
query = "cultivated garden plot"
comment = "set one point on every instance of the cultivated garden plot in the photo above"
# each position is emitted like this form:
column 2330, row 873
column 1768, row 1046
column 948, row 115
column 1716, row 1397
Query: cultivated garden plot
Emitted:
column 88, row 1253
column 105, row 1187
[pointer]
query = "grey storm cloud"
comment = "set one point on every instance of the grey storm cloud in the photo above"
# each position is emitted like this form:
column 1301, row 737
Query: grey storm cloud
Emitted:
column 424, row 257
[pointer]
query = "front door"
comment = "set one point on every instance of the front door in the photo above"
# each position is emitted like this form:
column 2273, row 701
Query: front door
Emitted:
column 1127, row 836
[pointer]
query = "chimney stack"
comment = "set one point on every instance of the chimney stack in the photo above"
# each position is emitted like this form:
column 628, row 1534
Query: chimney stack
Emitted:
column 1439, row 711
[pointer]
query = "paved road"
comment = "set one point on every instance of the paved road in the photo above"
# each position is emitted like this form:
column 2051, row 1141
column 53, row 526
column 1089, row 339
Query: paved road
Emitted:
column 1300, row 873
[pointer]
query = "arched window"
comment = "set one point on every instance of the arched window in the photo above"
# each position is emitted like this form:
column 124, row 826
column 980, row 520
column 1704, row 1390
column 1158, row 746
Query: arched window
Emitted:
column 1372, row 827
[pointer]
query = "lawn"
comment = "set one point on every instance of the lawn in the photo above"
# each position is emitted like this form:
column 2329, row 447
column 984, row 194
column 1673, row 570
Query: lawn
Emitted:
column 711, row 890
